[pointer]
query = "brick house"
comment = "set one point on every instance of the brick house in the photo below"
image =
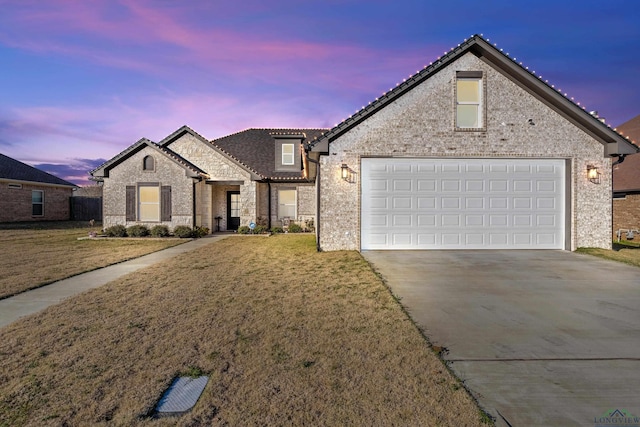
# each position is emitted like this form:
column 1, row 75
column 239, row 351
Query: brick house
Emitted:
column 29, row 194
column 626, row 183
column 257, row 175
column 472, row 152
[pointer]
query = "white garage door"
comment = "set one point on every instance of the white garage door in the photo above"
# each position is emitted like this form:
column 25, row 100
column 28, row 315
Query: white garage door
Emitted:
column 462, row 203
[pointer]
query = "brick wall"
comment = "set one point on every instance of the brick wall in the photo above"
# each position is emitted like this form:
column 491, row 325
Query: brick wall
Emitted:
column 626, row 213
column 421, row 124
column 15, row 203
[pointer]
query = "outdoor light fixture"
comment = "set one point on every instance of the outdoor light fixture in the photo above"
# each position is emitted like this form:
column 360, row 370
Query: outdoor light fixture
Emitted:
column 346, row 173
column 593, row 174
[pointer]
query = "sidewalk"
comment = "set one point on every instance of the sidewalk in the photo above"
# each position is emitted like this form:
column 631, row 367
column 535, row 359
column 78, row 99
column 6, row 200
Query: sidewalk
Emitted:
column 29, row 302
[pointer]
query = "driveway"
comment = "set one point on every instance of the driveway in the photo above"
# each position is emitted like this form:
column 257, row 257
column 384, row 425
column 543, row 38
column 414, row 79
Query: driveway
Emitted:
column 539, row 337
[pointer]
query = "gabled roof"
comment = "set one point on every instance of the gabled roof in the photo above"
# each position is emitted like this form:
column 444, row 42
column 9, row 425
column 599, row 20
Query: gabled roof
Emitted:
column 613, row 142
column 255, row 148
column 15, row 170
column 626, row 175
column 190, row 169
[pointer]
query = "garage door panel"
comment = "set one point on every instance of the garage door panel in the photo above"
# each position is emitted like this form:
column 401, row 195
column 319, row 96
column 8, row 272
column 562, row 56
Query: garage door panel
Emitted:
column 462, row 203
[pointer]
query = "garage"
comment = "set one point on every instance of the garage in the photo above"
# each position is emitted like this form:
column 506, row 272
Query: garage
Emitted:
column 418, row 203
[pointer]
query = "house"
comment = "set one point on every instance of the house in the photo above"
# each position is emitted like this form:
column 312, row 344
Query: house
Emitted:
column 255, row 176
column 626, row 183
column 472, row 152
column 29, row 194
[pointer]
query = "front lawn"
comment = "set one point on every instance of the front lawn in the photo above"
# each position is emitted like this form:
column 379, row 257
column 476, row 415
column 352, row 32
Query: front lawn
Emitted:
column 288, row 336
column 628, row 253
column 35, row 254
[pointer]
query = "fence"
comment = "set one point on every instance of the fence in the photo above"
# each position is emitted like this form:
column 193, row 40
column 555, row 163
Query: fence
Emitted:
column 86, row 208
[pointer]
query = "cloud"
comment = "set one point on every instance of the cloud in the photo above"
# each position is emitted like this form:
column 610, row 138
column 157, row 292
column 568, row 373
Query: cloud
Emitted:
column 76, row 171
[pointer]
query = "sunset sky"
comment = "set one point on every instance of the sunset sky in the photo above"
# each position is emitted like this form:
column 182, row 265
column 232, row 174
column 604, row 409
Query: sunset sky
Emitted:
column 82, row 80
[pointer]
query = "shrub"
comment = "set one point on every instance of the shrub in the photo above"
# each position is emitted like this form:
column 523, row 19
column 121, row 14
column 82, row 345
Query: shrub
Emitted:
column 137, row 230
column 276, row 230
column 200, row 231
column 295, row 228
column 183, row 231
column 159, row 231
column 116, row 231
column 260, row 229
column 243, row 229
column 309, row 225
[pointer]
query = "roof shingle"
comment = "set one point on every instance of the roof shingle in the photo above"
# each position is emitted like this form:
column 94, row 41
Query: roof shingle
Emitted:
column 16, row 170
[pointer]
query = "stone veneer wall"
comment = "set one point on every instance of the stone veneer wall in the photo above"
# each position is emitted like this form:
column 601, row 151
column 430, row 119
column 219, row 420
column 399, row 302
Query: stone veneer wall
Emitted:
column 626, row 213
column 305, row 201
column 15, row 203
column 130, row 172
column 421, row 124
column 219, row 168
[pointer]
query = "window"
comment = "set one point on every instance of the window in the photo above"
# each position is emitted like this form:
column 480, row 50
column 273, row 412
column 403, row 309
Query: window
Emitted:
column 287, row 204
column 37, row 203
column 469, row 107
column 149, row 203
column 287, row 154
column 148, row 163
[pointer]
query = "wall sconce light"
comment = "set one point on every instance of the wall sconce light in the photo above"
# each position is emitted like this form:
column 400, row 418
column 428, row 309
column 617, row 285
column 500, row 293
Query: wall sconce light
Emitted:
column 593, row 174
column 346, row 173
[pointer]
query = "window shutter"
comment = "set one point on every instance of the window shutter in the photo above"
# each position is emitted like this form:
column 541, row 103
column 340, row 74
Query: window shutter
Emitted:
column 131, row 203
column 165, row 203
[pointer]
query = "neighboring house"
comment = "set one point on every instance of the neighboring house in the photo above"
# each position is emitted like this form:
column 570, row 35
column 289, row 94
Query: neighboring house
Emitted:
column 473, row 152
column 29, row 194
column 626, row 184
column 258, row 175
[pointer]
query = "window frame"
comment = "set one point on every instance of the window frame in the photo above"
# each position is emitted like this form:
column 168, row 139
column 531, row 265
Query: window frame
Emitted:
column 293, row 205
column 291, row 145
column 40, row 203
column 477, row 76
column 141, row 203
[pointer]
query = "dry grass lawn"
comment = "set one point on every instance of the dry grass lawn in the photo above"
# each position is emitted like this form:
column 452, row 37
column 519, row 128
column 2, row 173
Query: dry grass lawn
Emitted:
column 628, row 255
column 33, row 257
column 287, row 335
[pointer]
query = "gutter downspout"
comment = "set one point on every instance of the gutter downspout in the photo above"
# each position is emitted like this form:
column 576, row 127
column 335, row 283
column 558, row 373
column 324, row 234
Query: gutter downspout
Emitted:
column 317, row 163
column 269, row 204
column 620, row 157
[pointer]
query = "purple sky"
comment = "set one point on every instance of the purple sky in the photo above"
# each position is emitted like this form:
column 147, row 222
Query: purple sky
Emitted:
column 82, row 80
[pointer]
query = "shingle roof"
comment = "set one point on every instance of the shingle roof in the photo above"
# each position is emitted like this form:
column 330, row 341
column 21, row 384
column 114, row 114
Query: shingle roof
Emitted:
column 614, row 142
column 255, row 148
column 140, row 144
column 16, row 170
column 626, row 175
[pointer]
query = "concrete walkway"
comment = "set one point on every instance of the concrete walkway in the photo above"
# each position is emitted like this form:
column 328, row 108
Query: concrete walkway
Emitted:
column 30, row 302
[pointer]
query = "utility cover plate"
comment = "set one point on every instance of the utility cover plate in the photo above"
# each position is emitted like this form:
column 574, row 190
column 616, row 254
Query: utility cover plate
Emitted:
column 181, row 396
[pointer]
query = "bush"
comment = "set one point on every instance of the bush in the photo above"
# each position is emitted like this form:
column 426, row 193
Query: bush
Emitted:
column 276, row 230
column 159, row 231
column 200, row 231
column 137, row 230
column 294, row 228
column 243, row 229
column 116, row 231
column 260, row 229
column 183, row 231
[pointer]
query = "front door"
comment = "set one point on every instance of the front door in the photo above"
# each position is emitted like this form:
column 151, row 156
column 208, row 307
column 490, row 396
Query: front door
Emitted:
column 233, row 210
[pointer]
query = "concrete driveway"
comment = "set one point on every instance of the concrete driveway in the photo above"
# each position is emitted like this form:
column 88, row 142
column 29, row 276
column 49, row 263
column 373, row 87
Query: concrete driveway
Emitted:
column 539, row 337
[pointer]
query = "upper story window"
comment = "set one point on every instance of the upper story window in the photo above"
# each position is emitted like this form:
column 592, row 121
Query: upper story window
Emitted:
column 469, row 100
column 148, row 163
column 288, row 157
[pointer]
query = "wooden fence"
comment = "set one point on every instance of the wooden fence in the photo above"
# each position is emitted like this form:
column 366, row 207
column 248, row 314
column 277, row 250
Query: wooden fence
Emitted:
column 86, row 208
